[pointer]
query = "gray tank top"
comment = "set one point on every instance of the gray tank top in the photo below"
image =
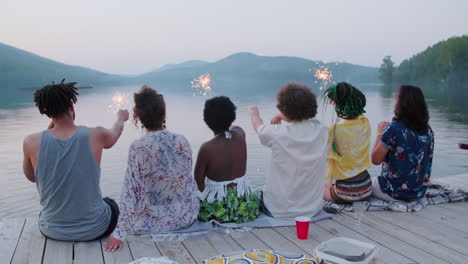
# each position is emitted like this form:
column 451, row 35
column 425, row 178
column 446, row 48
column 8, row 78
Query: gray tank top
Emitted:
column 67, row 178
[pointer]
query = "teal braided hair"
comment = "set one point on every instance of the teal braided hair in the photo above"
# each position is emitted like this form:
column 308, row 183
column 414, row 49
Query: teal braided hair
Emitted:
column 349, row 101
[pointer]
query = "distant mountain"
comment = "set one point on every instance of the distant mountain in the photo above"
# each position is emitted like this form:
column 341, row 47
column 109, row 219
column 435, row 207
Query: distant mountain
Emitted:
column 246, row 73
column 239, row 74
column 187, row 64
column 20, row 69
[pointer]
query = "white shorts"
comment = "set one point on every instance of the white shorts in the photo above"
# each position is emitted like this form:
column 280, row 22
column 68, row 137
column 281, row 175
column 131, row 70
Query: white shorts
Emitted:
column 378, row 193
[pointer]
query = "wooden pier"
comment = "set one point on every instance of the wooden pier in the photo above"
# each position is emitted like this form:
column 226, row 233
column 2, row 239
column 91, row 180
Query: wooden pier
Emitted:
column 436, row 234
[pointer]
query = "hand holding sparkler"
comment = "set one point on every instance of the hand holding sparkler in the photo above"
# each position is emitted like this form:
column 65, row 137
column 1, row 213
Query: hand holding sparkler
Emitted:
column 123, row 115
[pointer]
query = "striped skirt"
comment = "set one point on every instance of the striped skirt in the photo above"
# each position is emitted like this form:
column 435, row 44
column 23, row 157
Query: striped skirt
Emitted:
column 354, row 189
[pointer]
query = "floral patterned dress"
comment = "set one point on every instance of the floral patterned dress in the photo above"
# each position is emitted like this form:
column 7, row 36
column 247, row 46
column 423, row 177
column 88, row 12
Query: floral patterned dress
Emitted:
column 407, row 167
column 159, row 193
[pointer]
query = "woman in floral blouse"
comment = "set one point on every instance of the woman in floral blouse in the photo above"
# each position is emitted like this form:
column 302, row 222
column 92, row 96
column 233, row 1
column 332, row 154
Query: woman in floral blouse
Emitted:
column 159, row 193
column 405, row 147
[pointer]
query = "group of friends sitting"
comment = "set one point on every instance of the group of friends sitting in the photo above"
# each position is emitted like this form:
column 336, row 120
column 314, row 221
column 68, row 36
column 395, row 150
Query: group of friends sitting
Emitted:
column 310, row 162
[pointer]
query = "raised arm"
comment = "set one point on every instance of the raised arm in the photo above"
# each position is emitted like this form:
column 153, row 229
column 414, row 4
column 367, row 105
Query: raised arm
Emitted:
column 201, row 167
column 255, row 117
column 108, row 137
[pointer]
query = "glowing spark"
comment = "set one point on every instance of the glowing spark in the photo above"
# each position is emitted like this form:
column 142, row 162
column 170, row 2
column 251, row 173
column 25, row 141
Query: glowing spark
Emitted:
column 119, row 101
column 323, row 75
column 202, row 84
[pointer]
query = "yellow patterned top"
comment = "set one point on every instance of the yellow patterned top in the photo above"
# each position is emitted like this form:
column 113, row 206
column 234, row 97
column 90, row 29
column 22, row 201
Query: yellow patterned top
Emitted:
column 349, row 146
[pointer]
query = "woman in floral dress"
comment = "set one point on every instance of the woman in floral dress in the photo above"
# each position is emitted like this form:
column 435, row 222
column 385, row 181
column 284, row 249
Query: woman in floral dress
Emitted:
column 159, row 193
column 405, row 149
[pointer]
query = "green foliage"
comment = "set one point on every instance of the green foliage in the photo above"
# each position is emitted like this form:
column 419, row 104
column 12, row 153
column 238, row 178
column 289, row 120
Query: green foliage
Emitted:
column 441, row 71
column 387, row 70
column 231, row 208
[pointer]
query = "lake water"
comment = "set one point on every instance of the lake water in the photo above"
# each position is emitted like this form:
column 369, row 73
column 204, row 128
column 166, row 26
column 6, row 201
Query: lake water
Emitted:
column 184, row 116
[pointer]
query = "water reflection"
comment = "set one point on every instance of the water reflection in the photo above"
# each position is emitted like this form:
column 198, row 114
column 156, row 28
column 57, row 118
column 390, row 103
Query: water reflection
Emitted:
column 184, row 116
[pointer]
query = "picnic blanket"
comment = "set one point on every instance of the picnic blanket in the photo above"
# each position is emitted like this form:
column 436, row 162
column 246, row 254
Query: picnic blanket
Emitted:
column 435, row 194
column 201, row 228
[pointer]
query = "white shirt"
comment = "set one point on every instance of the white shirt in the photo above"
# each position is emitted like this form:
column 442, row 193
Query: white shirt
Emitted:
column 295, row 184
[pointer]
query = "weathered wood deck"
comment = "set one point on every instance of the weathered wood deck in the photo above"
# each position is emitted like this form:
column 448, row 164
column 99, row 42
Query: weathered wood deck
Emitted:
column 437, row 234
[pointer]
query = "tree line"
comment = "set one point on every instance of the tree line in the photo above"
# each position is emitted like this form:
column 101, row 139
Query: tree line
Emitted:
column 441, row 71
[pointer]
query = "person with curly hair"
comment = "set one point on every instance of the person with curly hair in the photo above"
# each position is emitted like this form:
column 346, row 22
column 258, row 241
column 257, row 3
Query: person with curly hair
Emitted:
column 220, row 170
column 295, row 183
column 349, row 144
column 159, row 193
column 405, row 149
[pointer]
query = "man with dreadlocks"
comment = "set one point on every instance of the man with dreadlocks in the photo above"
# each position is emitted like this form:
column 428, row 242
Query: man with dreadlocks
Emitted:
column 349, row 143
column 64, row 162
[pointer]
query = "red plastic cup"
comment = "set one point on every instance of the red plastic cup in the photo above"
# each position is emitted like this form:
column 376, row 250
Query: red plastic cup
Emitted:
column 302, row 227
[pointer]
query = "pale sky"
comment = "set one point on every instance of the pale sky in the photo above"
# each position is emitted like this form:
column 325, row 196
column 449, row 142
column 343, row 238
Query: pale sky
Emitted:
column 131, row 37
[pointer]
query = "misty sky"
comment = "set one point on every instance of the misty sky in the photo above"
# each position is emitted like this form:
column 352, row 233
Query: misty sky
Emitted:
column 138, row 36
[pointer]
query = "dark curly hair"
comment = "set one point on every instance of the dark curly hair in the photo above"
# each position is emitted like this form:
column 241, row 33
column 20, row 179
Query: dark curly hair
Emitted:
column 411, row 108
column 150, row 108
column 297, row 102
column 219, row 113
column 349, row 101
column 54, row 100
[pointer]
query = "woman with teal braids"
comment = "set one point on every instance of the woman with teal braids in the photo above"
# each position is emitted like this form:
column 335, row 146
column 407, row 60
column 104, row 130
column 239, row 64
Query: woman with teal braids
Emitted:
column 349, row 143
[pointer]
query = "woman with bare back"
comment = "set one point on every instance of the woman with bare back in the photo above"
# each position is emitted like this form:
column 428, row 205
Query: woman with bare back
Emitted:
column 221, row 166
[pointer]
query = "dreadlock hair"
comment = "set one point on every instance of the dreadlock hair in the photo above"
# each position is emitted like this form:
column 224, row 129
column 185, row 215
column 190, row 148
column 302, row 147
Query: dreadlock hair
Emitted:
column 54, row 100
column 349, row 101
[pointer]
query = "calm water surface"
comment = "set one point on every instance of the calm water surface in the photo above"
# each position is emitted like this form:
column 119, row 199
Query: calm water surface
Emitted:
column 184, row 116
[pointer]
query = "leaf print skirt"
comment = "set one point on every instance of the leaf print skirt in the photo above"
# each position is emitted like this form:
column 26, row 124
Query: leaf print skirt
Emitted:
column 231, row 208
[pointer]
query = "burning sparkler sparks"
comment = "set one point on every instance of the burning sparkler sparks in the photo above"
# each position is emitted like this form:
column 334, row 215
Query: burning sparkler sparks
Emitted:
column 202, row 84
column 119, row 101
column 323, row 76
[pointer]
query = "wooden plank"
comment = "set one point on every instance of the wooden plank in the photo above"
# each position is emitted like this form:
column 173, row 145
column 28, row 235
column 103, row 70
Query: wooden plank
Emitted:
column 385, row 254
column 400, row 246
column 10, row 232
column 142, row 247
column 88, row 252
column 58, row 252
column 176, row 251
column 123, row 256
column 247, row 240
column 414, row 239
column 439, row 233
column 223, row 243
column 450, row 217
column 308, row 245
column 277, row 241
column 455, row 181
column 31, row 244
column 459, row 207
column 200, row 249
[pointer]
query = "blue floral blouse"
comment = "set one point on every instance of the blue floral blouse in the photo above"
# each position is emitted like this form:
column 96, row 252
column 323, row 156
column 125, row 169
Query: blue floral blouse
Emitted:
column 407, row 166
column 159, row 193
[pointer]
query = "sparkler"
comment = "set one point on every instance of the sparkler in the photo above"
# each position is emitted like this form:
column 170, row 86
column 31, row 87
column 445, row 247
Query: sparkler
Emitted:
column 323, row 76
column 119, row 101
column 202, row 84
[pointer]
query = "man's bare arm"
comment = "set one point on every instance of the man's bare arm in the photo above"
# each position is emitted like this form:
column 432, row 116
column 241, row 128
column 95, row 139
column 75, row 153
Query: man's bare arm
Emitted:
column 108, row 137
column 28, row 169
